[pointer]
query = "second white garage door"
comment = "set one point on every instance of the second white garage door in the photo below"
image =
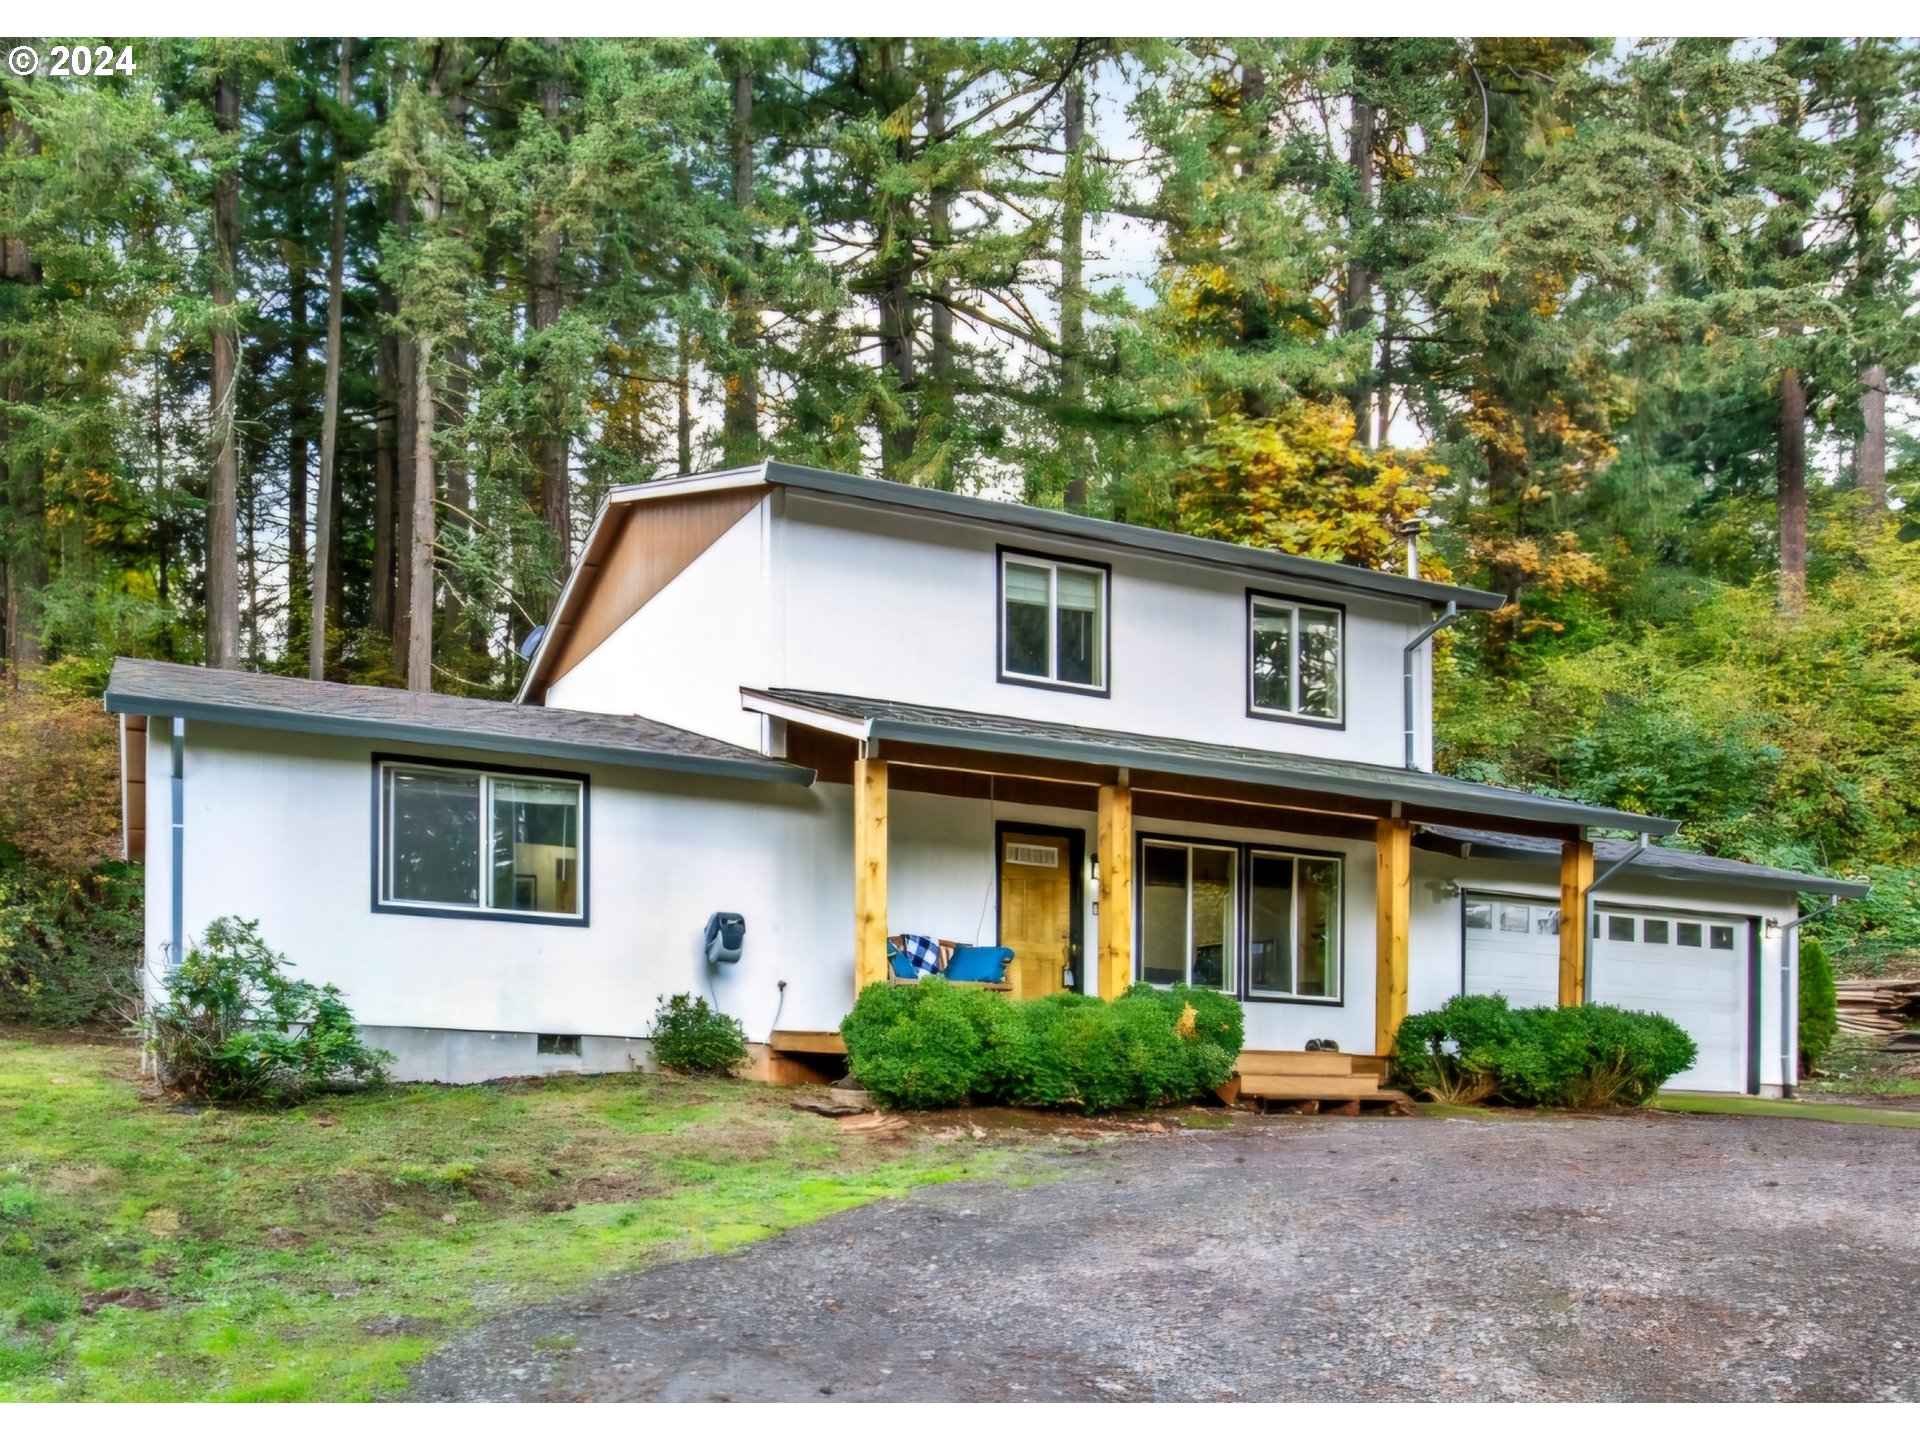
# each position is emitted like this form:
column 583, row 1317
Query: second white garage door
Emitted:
column 1690, row 968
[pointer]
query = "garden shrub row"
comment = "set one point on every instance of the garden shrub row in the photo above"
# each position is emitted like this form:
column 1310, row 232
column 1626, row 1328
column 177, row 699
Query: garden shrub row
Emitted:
column 1582, row 1057
column 934, row 1044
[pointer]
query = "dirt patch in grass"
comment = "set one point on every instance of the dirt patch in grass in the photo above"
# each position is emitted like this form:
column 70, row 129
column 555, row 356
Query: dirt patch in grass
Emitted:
column 151, row 1252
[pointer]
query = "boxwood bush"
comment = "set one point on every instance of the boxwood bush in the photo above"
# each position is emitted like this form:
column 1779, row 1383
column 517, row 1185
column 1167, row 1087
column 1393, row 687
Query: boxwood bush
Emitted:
column 1582, row 1057
column 934, row 1044
column 693, row 1038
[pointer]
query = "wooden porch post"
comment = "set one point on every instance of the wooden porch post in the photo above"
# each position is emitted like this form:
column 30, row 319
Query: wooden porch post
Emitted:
column 1576, row 878
column 1115, row 855
column 1393, row 886
column 869, row 873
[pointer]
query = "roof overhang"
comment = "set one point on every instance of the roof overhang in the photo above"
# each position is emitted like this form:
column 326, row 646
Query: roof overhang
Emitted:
column 879, row 721
column 1658, row 863
column 126, row 695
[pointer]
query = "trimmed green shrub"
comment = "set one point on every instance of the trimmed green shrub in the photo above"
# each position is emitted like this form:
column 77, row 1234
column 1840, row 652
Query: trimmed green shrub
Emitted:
column 1582, row 1057
column 1819, row 1004
column 934, row 1044
column 692, row 1037
column 233, row 1026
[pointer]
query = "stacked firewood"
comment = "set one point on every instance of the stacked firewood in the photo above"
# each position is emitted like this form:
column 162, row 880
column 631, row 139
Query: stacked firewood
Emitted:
column 1881, row 1009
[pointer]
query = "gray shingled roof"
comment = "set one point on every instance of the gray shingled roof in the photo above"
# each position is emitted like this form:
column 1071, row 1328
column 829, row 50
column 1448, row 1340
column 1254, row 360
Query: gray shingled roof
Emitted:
column 892, row 720
column 280, row 702
column 1102, row 534
column 1658, row 862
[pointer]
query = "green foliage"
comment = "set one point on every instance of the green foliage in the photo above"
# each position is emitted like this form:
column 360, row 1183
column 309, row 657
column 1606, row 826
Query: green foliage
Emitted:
column 69, row 945
column 1582, row 1057
column 693, row 1038
column 1819, row 1004
column 934, row 1044
column 232, row 1025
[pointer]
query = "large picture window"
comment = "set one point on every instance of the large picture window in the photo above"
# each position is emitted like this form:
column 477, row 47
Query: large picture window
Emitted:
column 1053, row 622
column 1187, row 915
column 1294, row 662
column 1203, row 906
column 482, row 842
column 1293, row 926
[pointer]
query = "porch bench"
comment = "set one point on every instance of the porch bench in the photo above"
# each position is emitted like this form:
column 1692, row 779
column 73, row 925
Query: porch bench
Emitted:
column 964, row 958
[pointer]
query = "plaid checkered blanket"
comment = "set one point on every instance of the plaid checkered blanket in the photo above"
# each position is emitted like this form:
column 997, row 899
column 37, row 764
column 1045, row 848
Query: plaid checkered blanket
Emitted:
column 923, row 952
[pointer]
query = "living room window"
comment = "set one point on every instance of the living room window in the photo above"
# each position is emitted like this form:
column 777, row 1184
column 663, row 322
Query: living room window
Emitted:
column 1295, row 660
column 1053, row 623
column 1293, row 926
column 1188, row 915
column 490, row 844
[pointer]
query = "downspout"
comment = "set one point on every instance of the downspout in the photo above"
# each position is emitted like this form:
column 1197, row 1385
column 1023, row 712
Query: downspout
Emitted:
column 176, row 949
column 1447, row 617
column 1586, row 911
column 1789, row 1002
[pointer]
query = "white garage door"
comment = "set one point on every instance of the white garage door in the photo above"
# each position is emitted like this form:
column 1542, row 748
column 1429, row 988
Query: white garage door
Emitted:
column 1512, row 948
column 1690, row 968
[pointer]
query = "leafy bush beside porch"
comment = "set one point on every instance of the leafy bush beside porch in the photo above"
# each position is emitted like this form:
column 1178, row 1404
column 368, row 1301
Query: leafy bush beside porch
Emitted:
column 934, row 1044
column 1582, row 1057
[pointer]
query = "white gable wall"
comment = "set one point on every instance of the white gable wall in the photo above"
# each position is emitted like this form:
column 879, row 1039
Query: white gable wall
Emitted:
column 683, row 656
column 896, row 606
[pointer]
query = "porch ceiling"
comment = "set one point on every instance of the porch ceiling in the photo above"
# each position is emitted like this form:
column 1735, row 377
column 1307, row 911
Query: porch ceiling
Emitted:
column 1086, row 755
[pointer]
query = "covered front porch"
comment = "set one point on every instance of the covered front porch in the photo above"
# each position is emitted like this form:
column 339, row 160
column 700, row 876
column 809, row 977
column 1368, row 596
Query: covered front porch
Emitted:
column 1102, row 858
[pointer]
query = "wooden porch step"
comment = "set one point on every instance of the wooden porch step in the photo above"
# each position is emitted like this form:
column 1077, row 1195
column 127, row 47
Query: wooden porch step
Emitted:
column 1309, row 1087
column 1295, row 1062
column 808, row 1042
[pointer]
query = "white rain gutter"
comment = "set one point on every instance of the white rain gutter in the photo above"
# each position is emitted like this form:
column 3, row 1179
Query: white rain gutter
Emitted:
column 1447, row 617
column 1789, row 1002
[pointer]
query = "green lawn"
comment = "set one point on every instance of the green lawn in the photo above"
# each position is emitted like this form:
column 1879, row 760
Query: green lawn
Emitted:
column 313, row 1254
column 1788, row 1109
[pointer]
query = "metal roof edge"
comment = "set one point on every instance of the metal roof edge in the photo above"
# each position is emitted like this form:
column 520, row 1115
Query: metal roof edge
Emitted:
column 301, row 722
column 1751, row 877
column 1514, row 805
column 1117, row 533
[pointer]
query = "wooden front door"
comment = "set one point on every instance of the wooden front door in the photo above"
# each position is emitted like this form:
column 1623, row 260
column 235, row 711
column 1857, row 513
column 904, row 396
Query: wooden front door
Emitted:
column 1038, row 890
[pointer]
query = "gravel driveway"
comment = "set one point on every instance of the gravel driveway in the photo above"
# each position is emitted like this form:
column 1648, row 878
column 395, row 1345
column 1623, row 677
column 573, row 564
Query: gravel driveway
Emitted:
column 1652, row 1257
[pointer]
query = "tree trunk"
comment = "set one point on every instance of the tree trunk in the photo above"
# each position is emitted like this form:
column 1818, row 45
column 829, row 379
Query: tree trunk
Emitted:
column 940, row 238
column 895, row 244
column 420, row 532
column 1073, row 295
column 740, row 425
column 22, row 479
column 223, row 561
column 683, row 400
column 1359, row 297
column 543, row 310
column 1871, row 465
column 299, row 418
column 406, row 421
column 325, row 510
column 1791, row 465
column 386, row 408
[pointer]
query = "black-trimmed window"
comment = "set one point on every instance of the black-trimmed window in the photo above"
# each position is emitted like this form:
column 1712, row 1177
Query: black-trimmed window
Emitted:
column 1053, row 622
column 1295, row 659
column 456, row 840
column 1293, row 925
column 1188, row 914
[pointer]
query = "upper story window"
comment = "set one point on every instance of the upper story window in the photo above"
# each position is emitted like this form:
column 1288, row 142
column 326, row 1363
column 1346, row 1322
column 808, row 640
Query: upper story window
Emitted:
column 1053, row 622
column 1296, row 660
column 489, row 844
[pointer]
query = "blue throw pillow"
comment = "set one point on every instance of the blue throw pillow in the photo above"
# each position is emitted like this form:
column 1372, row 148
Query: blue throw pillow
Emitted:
column 979, row 962
column 902, row 966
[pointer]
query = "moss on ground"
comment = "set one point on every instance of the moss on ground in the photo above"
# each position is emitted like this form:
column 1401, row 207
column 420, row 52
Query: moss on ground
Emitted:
column 1789, row 1109
column 149, row 1252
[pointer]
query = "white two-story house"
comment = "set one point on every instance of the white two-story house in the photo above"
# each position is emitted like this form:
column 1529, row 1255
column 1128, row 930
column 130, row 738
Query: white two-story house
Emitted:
column 846, row 709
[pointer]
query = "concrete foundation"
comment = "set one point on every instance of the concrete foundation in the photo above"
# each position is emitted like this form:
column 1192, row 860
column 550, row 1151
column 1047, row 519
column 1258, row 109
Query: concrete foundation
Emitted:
column 467, row 1057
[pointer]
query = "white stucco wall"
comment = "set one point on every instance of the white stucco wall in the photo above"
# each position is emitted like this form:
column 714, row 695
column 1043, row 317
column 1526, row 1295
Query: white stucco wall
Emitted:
column 903, row 607
column 279, row 829
column 682, row 658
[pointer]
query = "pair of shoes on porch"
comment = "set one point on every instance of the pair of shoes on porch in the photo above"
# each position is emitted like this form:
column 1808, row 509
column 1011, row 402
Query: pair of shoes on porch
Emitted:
column 1323, row 1044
